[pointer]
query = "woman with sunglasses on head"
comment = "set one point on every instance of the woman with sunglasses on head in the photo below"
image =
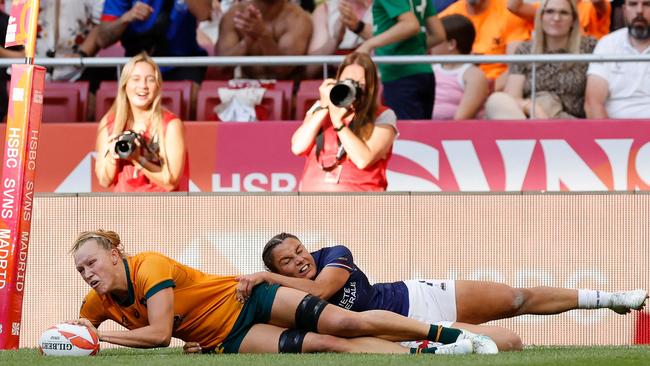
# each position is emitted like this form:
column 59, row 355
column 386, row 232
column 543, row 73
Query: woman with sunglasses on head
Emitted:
column 347, row 147
column 560, row 87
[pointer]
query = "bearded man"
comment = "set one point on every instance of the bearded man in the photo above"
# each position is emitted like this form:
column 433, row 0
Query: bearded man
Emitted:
column 622, row 89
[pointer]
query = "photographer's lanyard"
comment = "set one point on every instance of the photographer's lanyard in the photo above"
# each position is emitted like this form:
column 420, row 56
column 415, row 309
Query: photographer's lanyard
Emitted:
column 320, row 144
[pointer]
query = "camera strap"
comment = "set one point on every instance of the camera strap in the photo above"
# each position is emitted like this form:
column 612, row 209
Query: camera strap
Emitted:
column 151, row 149
column 320, row 144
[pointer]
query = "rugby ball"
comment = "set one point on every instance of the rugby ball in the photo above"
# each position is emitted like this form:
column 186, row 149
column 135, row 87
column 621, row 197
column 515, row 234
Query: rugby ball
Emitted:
column 69, row 340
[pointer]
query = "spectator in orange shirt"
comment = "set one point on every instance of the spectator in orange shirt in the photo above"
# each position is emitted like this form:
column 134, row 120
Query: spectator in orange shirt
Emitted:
column 594, row 15
column 496, row 29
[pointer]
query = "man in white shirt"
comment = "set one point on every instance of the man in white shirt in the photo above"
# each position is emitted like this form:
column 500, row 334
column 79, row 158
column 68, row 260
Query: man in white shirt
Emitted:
column 67, row 28
column 622, row 89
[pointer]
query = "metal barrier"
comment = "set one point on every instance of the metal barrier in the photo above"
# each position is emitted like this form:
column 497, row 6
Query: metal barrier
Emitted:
column 328, row 60
column 334, row 60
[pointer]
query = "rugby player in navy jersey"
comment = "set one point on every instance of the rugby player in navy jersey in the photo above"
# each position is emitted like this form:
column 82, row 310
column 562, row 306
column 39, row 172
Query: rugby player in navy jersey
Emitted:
column 330, row 273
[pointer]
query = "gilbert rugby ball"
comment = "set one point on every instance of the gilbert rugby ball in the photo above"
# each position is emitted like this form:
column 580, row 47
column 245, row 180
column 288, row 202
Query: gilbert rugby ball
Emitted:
column 69, row 340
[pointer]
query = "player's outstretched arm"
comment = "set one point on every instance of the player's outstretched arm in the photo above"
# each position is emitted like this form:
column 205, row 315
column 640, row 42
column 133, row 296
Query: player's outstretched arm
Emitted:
column 160, row 310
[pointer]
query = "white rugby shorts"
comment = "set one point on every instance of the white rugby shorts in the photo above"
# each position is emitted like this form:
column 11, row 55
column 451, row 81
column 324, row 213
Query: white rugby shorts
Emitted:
column 432, row 301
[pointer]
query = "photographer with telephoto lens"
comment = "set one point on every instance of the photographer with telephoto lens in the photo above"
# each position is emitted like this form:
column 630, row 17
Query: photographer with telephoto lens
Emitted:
column 140, row 145
column 345, row 92
column 347, row 136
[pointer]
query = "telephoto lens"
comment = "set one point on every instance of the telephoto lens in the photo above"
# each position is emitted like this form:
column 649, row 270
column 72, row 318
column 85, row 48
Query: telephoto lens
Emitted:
column 125, row 145
column 344, row 93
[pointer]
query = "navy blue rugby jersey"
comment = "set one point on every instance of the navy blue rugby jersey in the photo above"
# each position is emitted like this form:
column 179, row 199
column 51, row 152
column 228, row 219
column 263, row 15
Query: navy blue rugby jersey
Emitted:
column 357, row 294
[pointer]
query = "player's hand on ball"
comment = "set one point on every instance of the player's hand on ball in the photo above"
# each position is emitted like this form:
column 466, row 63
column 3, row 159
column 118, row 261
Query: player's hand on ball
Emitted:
column 85, row 322
column 192, row 347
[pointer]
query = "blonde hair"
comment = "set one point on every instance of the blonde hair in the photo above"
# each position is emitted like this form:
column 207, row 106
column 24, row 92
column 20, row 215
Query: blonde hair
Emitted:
column 121, row 108
column 539, row 37
column 105, row 238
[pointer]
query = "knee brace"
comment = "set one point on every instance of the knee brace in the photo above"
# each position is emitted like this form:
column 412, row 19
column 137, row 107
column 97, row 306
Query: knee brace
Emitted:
column 308, row 312
column 291, row 341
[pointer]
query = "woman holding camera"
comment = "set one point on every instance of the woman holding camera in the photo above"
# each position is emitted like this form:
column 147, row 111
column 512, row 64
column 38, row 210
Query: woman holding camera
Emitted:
column 141, row 145
column 347, row 146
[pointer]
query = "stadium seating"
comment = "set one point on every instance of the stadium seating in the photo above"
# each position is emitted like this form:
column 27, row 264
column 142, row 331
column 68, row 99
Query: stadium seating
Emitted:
column 171, row 99
column 185, row 87
column 208, row 99
column 108, row 85
column 65, row 102
column 61, row 105
column 104, row 98
column 214, row 84
column 286, row 86
column 306, row 96
column 175, row 97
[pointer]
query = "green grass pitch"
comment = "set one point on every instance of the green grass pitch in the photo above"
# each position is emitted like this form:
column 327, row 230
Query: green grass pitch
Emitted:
column 531, row 356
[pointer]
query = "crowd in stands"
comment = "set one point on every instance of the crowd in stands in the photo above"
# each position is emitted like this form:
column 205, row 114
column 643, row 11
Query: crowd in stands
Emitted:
column 88, row 28
column 85, row 28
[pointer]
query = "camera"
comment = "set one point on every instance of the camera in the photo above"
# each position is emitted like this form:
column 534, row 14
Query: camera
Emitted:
column 345, row 92
column 125, row 145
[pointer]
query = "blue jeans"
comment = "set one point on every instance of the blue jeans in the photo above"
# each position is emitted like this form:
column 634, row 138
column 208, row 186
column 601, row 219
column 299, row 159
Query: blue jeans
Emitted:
column 411, row 97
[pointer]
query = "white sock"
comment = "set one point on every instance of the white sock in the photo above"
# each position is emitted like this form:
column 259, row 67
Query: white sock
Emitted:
column 594, row 299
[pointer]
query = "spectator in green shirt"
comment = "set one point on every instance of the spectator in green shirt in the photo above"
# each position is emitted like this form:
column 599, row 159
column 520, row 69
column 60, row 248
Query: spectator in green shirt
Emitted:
column 409, row 89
